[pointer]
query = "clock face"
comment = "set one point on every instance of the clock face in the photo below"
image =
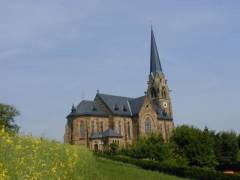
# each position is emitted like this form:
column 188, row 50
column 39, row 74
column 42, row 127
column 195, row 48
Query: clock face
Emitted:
column 165, row 104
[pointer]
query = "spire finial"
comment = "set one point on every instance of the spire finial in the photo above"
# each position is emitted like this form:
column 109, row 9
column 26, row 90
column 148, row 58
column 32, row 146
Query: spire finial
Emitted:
column 155, row 65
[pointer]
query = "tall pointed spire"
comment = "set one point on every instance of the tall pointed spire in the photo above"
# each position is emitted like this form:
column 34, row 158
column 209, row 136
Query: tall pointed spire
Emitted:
column 155, row 65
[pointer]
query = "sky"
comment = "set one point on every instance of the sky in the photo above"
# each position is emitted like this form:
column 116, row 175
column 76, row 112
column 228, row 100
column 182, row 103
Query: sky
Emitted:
column 54, row 53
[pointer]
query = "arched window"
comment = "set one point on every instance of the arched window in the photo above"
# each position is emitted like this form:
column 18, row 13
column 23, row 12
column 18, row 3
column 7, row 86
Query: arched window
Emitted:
column 164, row 93
column 153, row 93
column 98, row 126
column 119, row 128
column 101, row 126
column 148, row 125
column 82, row 129
column 129, row 131
column 92, row 127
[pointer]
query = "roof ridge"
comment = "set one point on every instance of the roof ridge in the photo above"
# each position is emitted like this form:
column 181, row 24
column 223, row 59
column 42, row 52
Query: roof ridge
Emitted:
column 116, row 96
column 86, row 101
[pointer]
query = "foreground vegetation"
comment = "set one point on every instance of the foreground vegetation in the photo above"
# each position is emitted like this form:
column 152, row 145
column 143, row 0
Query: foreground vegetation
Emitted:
column 191, row 152
column 110, row 170
column 25, row 157
column 188, row 146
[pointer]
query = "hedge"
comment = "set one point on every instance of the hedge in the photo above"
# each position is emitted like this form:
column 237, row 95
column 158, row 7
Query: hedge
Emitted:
column 189, row 172
column 233, row 166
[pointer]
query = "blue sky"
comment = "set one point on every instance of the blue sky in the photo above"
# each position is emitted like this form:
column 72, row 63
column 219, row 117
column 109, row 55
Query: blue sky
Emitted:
column 54, row 53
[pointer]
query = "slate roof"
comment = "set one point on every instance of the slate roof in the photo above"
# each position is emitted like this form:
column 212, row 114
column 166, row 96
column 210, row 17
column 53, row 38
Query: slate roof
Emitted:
column 155, row 65
column 96, row 135
column 110, row 133
column 107, row 133
column 136, row 104
column 118, row 105
column 86, row 107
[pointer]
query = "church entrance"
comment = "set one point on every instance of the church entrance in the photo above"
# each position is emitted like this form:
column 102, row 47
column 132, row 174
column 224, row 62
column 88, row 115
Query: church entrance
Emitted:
column 95, row 147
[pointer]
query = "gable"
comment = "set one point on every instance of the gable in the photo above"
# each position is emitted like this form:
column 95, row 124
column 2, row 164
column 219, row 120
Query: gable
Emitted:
column 147, row 108
column 118, row 105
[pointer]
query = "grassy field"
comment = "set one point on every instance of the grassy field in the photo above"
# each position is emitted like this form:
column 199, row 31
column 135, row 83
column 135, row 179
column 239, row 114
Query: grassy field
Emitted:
column 25, row 157
column 120, row 171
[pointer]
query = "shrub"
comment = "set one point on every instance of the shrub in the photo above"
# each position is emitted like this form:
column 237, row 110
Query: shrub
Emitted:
column 195, row 145
column 190, row 172
column 113, row 148
column 226, row 147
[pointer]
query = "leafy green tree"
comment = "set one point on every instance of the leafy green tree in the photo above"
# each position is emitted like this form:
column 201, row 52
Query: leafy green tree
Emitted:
column 139, row 149
column 226, row 147
column 113, row 148
column 238, row 140
column 195, row 145
column 156, row 148
column 151, row 147
column 7, row 115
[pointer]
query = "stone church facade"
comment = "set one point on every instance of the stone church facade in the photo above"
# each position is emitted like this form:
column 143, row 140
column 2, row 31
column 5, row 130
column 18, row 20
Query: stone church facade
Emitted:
column 115, row 119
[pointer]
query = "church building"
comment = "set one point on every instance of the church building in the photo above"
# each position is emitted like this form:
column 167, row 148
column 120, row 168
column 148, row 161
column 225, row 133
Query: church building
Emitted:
column 116, row 119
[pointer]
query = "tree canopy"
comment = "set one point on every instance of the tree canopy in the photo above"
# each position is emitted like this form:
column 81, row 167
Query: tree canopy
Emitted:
column 195, row 145
column 7, row 115
column 226, row 147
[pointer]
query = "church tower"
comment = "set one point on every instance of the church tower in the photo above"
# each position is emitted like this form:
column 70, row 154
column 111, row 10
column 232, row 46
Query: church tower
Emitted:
column 158, row 91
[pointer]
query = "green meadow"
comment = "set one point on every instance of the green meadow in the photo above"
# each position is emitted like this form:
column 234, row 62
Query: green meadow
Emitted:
column 26, row 157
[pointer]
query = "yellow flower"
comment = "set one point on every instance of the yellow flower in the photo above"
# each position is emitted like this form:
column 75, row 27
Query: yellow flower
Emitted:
column 53, row 170
column 18, row 147
column 3, row 172
column 9, row 141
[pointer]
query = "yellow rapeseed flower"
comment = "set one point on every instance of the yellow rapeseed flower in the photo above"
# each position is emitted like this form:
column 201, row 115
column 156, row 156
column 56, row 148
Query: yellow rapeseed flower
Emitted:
column 53, row 170
column 3, row 172
column 18, row 147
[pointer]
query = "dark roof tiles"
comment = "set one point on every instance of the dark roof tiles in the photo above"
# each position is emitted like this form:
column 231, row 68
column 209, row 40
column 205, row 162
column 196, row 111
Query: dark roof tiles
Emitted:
column 107, row 133
column 118, row 105
column 155, row 65
column 89, row 108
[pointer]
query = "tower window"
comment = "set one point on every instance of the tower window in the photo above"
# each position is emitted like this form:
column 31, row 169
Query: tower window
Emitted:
column 153, row 93
column 164, row 93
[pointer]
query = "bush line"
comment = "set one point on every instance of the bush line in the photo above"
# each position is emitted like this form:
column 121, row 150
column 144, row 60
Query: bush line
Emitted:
column 188, row 172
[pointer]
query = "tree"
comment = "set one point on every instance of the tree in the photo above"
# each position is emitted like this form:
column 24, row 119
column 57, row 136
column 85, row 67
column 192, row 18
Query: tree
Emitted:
column 7, row 115
column 113, row 148
column 195, row 145
column 151, row 147
column 238, row 140
column 226, row 147
column 156, row 148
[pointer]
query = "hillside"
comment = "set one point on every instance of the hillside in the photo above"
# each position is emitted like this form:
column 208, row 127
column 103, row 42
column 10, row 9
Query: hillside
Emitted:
column 25, row 157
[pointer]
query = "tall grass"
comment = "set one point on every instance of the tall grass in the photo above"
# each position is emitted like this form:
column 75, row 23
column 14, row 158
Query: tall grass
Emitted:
column 25, row 157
